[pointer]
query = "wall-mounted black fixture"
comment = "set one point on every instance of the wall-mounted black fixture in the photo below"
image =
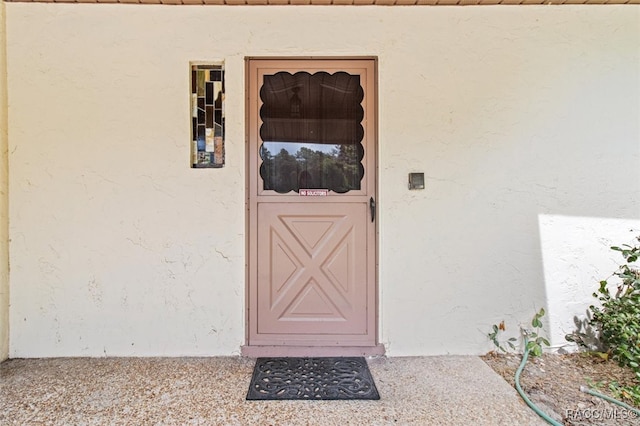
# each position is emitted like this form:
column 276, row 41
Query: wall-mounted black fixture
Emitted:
column 416, row 180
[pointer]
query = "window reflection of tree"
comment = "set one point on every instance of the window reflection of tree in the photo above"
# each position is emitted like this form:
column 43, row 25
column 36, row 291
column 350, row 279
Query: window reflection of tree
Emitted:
column 338, row 170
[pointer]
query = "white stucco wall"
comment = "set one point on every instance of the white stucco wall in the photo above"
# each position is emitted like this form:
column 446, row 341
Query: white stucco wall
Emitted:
column 572, row 275
column 4, row 196
column 119, row 248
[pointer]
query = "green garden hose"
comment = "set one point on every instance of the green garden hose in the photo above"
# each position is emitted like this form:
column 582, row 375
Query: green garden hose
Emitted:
column 524, row 396
column 544, row 415
column 608, row 398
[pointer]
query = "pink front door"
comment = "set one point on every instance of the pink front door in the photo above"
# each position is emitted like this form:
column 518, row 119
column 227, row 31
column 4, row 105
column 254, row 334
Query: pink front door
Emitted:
column 311, row 200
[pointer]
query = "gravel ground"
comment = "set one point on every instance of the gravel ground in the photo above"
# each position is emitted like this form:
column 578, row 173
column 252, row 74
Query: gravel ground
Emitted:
column 421, row 391
column 553, row 383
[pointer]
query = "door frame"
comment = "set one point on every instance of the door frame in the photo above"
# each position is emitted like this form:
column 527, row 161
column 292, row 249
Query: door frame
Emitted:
column 261, row 350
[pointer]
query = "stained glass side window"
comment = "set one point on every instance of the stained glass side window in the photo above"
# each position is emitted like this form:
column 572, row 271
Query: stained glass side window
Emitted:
column 311, row 132
column 207, row 115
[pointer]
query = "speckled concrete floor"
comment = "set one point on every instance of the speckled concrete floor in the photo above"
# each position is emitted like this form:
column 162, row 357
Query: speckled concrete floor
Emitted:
column 211, row 391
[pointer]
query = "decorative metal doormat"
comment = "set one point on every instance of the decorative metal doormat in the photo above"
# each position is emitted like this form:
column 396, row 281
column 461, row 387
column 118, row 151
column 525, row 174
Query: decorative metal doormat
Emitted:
column 312, row 378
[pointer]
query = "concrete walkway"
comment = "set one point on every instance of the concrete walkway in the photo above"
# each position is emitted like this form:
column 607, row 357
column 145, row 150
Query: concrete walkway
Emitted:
column 451, row 390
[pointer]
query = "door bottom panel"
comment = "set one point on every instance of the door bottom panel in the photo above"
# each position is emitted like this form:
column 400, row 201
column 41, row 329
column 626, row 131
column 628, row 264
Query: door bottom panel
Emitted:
column 312, row 274
column 311, row 351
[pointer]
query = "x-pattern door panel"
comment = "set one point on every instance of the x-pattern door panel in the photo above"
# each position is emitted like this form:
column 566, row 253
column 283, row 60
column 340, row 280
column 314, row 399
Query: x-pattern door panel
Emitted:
column 314, row 274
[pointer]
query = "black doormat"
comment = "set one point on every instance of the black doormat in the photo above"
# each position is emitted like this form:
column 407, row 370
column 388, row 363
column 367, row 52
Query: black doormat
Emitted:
column 312, row 378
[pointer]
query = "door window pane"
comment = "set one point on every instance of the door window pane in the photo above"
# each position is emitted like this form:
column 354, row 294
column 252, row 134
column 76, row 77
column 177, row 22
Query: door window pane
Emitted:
column 311, row 131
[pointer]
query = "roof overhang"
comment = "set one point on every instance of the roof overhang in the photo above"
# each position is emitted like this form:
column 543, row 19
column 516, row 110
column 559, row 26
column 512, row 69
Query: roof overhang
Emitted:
column 341, row 2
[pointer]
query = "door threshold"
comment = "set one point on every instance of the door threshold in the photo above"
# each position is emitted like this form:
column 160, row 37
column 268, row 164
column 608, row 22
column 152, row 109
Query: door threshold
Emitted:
column 310, row 351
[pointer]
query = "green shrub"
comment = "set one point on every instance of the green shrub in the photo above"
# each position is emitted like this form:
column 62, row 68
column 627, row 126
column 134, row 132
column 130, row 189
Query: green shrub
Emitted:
column 535, row 340
column 618, row 317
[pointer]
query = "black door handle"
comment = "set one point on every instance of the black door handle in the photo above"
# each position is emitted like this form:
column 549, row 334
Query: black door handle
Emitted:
column 372, row 206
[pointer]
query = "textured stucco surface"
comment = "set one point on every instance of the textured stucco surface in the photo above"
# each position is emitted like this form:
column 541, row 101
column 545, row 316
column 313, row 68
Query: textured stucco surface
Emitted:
column 572, row 273
column 119, row 248
column 4, row 197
